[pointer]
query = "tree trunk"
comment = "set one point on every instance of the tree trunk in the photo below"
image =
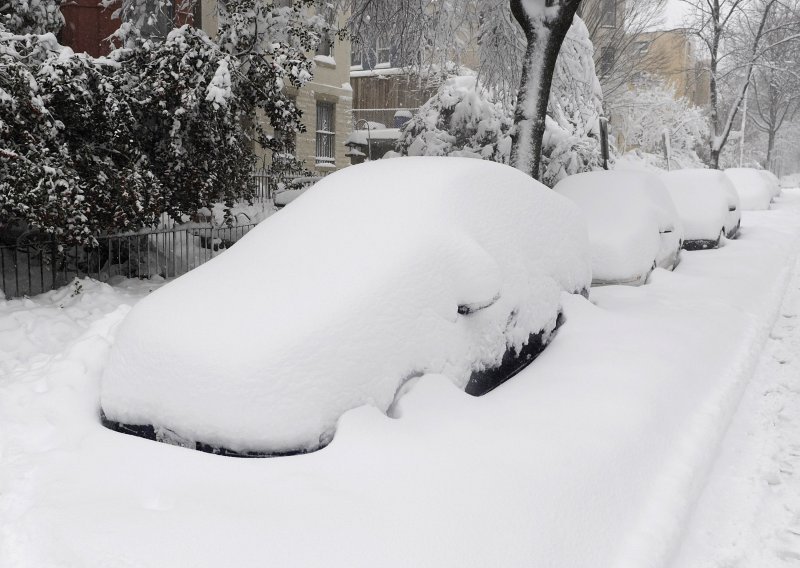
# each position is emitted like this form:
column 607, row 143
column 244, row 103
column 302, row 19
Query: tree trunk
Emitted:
column 713, row 87
column 545, row 30
column 770, row 147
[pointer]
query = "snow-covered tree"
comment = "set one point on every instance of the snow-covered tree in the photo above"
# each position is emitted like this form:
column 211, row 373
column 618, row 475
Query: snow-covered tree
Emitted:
column 461, row 119
column 649, row 108
column 545, row 24
column 464, row 118
column 31, row 16
column 736, row 33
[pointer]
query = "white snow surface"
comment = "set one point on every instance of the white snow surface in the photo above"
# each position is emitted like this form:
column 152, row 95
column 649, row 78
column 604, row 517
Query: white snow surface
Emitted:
column 595, row 455
column 755, row 191
column 333, row 302
column 701, row 199
column 625, row 210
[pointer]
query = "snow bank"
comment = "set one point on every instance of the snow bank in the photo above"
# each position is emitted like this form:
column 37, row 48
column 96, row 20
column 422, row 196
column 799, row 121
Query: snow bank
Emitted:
column 626, row 212
column 337, row 300
column 754, row 190
column 701, row 199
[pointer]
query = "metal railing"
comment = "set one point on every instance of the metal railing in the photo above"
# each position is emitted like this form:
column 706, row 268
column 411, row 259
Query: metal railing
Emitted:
column 38, row 265
column 385, row 116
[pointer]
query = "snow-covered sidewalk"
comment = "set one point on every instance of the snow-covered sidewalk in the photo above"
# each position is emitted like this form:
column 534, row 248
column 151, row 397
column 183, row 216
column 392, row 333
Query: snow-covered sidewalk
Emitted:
column 594, row 456
column 749, row 513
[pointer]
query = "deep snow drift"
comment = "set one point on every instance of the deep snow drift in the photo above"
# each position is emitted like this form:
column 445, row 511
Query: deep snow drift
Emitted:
column 377, row 274
column 593, row 456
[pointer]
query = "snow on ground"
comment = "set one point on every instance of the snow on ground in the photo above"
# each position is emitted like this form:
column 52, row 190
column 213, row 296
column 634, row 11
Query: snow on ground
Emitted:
column 749, row 513
column 594, row 456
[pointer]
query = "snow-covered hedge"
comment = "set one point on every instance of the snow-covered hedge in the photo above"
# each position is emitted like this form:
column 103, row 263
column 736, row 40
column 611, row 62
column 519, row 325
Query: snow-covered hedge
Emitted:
column 31, row 16
column 161, row 125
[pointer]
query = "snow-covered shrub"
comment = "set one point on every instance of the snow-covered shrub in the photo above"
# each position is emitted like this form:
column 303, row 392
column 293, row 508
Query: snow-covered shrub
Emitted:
column 31, row 16
column 461, row 119
column 161, row 125
column 648, row 109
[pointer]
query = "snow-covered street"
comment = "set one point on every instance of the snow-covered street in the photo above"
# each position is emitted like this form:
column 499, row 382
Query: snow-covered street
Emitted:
column 597, row 455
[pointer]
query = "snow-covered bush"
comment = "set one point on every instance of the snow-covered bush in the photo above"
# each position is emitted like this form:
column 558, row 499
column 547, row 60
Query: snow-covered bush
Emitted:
column 164, row 124
column 98, row 145
column 648, row 109
column 31, row 16
column 461, row 119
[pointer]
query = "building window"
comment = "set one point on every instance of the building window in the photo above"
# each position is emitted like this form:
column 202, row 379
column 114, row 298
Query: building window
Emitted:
column 607, row 57
column 383, row 53
column 326, row 133
column 641, row 47
column 376, row 55
column 608, row 13
column 326, row 41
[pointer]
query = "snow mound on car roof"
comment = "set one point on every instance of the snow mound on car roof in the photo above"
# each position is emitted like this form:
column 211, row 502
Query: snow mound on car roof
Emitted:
column 623, row 223
column 701, row 199
column 333, row 302
column 753, row 188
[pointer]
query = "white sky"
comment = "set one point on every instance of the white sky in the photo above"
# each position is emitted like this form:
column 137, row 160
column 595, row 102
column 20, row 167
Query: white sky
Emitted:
column 673, row 14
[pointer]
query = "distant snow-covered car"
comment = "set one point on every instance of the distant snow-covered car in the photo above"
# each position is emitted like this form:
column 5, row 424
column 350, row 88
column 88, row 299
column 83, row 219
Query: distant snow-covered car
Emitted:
column 633, row 224
column 755, row 191
column 706, row 202
column 377, row 274
column 773, row 183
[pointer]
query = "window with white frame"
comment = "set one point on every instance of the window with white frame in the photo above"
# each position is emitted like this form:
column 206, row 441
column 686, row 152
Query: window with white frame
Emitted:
column 374, row 55
column 326, row 133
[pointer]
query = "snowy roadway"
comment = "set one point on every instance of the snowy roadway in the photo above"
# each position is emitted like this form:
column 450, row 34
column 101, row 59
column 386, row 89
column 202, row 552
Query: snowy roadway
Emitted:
column 613, row 449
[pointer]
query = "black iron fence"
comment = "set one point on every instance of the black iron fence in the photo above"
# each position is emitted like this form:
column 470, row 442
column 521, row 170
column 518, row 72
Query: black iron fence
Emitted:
column 37, row 264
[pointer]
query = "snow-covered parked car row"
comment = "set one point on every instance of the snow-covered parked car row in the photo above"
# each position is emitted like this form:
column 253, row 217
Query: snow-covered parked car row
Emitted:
column 379, row 274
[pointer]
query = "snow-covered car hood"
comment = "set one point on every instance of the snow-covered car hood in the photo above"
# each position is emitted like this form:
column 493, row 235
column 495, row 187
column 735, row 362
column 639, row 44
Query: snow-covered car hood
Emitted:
column 378, row 273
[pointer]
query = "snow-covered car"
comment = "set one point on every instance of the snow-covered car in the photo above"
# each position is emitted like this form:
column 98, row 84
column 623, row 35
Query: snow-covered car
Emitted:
column 376, row 275
column 755, row 192
column 707, row 204
column 773, row 183
column 633, row 224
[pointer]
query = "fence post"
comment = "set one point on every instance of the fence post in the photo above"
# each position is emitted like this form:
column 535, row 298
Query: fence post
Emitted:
column 604, row 140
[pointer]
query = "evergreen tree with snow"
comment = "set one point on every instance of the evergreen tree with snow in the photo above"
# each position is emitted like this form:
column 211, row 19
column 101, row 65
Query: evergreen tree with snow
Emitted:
column 31, row 16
